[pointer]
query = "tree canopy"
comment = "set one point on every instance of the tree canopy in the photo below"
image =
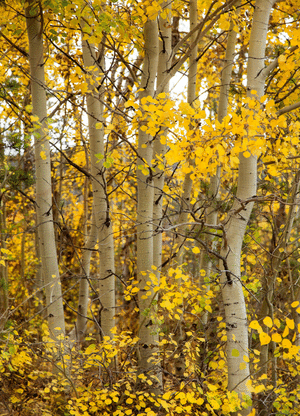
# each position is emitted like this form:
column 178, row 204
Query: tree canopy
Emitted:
column 149, row 171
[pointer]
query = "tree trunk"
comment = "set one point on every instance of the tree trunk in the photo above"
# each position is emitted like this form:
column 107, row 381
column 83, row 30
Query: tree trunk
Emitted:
column 4, row 298
column 179, row 361
column 211, row 213
column 101, row 206
column 148, row 332
column 165, row 33
column 232, row 290
column 84, row 286
column 43, row 173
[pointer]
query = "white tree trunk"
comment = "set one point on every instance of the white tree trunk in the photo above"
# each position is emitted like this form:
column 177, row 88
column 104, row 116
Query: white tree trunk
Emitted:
column 46, row 236
column 179, row 362
column 84, row 286
column 232, row 290
column 100, row 198
column 191, row 96
column 147, row 329
column 159, row 150
column 4, row 298
column 213, row 192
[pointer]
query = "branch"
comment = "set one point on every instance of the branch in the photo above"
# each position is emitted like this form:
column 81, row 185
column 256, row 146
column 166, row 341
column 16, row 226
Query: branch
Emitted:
column 266, row 71
column 21, row 50
column 201, row 33
column 86, row 173
column 288, row 108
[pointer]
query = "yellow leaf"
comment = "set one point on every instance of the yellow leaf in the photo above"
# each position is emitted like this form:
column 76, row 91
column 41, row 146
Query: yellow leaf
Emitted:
column 285, row 332
column 294, row 141
column 290, row 323
column 255, row 325
column 90, row 348
column 196, row 250
column 268, row 322
column 214, row 404
column 235, row 352
column 264, row 338
column 163, row 140
column 14, row 399
column 243, row 366
column 272, row 169
column 2, row 262
column 259, row 389
column 5, row 251
column 282, row 59
column 145, row 171
column 277, row 322
column 276, row 337
column 43, row 155
column 208, row 308
column 213, row 365
column 286, row 343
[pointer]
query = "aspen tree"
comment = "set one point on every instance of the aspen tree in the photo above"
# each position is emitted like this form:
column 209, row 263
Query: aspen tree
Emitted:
column 232, row 289
column 45, row 227
column 84, row 285
column 165, row 39
column 148, row 332
column 4, row 296
column 95, row 66
column 211, row 212
column 191, row 96
column 267, row 307
column 188, row 182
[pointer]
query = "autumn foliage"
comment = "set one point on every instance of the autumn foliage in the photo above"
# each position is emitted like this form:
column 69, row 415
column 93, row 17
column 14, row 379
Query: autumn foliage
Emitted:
column 165, row 350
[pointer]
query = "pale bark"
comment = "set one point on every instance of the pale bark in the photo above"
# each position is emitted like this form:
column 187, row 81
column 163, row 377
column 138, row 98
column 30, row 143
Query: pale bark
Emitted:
column 159, row 149
column 179, row 361
column 148, row 333
column 39, row 281
column 232, row 290
column 84, row 285
column 79, row 331
column 191, row 96
column 43, row 174
column 277, row 258
column 292, row 215
column 101, row 206
column 213, row 192
column 4, row 299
